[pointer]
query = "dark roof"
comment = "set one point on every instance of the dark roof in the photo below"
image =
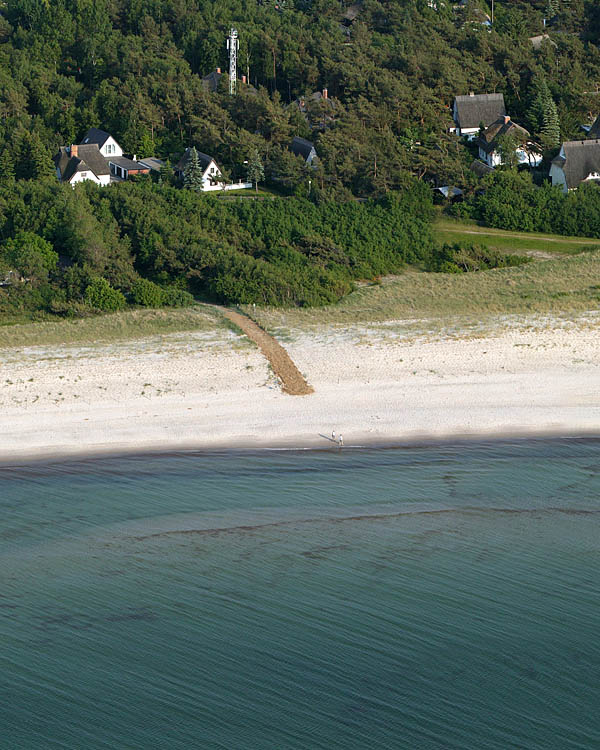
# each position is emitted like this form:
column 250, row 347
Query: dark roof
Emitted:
column 97, row 136
column 204, row 160
column 152, row 163
column 352, row 11
column 473, row 109
column 88, row 159
column 594, row 131
column 488, row 140
column 449, row 190
column 211, row 81
column 301, row 147
column 581, row 158
column 480, row 168
column 126, row 163
column 316, row 96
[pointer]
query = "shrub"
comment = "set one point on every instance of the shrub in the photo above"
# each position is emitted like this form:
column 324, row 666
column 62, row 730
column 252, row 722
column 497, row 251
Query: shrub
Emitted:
column 101, row 296
column 458, row 259
column 30, row 255
column 147, row 294
column 174, row 297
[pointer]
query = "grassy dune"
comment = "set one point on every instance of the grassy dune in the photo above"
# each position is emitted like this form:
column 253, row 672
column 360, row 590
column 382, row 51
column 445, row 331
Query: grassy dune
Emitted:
column 451, row 231
column 565, row 285
column 131, row 324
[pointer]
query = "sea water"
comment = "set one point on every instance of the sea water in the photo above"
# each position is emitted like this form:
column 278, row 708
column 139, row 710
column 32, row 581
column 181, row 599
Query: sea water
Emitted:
column 442, row 596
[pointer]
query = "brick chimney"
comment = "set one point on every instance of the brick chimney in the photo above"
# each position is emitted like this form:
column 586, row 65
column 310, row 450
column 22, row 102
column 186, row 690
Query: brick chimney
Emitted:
column 324, row 93
column 506, row 119
column 243, row 79
column 218, row 70
column 73, row 150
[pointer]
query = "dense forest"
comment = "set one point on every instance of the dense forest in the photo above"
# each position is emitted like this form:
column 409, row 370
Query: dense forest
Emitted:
column 135, row 69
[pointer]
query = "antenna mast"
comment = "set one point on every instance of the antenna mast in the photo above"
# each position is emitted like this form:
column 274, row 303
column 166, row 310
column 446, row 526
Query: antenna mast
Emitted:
column 233, row 46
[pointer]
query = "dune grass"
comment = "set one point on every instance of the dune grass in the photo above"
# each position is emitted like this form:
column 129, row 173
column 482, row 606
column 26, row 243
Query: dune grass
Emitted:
column 451, row 231
column 128, row 325
column 565, row 285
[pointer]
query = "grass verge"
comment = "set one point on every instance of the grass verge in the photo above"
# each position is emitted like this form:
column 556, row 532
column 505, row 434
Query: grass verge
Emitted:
column 131, row 324
column 564, row 285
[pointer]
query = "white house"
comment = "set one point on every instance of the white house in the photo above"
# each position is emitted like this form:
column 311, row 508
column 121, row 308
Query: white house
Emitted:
column 105, row 142
column 490, row 140
column 473, row 110
column 98, row 158
column 77, row 163
column 577, row 162
column 212, row 177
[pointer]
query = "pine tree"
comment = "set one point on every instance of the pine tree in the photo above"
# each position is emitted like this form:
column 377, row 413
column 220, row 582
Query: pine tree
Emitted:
column 7, row 167
column 192, row 174
column 552, row 8
column 539, row 94
column 166, row 176
column 41, row 161
column 256, row 171
column 550, row 132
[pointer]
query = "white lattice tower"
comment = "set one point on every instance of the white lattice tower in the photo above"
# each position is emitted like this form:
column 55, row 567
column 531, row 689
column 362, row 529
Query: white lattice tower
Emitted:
column 233, row 45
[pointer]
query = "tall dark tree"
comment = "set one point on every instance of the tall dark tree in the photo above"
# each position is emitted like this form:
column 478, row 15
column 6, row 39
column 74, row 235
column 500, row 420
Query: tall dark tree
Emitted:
column 192, row 173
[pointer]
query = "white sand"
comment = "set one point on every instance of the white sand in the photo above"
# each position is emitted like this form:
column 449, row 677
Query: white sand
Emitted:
column 210, row 390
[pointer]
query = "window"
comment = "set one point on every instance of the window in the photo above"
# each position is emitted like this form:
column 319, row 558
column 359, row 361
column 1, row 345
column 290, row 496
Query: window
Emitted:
column 110, row 149
column 84, row 175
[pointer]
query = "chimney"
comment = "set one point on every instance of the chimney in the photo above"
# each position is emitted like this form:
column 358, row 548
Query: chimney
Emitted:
column 243, row 79
column 135, row 157
column 219, row 70
column 324, row 93
column 471, row 93
column 506, row 119
column 73, row 150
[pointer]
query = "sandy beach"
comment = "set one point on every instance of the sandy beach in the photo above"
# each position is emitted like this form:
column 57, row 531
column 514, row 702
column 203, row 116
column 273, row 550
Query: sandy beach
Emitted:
column 385, row 383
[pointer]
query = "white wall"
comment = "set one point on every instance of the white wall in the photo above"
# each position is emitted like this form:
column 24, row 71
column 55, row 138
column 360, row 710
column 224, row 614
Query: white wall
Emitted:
column 233, row 186
column 558, row 177
column 81, row 176
column 532, row 157
column 211, row 171
column 111, row 148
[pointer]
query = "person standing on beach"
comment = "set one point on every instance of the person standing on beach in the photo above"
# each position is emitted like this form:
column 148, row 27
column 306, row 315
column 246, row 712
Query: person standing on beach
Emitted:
column 341, row 440
column 333, row 435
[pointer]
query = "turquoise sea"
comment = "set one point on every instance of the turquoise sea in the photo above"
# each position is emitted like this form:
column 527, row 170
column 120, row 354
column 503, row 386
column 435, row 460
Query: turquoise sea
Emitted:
column 436, row 596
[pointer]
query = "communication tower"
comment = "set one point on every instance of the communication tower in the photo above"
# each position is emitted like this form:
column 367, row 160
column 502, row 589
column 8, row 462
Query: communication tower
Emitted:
column 233, row 46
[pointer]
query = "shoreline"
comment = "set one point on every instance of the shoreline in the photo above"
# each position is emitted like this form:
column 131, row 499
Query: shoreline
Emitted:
column 114, row 452
column 184, row 392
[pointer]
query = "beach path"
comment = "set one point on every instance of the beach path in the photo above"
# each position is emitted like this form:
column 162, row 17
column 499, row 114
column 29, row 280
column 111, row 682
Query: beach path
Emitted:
column 292, row 380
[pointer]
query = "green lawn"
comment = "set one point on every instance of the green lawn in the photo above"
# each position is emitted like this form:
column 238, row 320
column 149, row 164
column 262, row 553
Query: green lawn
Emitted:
column 265, row 192
column 451, row 230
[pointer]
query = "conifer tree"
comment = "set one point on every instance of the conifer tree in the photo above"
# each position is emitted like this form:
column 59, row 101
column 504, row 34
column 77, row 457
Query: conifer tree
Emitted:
column 7, row 167
column 552, row 8
column 166, row 176
column 192, row 174
column 550, row 132
column 41, row 161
